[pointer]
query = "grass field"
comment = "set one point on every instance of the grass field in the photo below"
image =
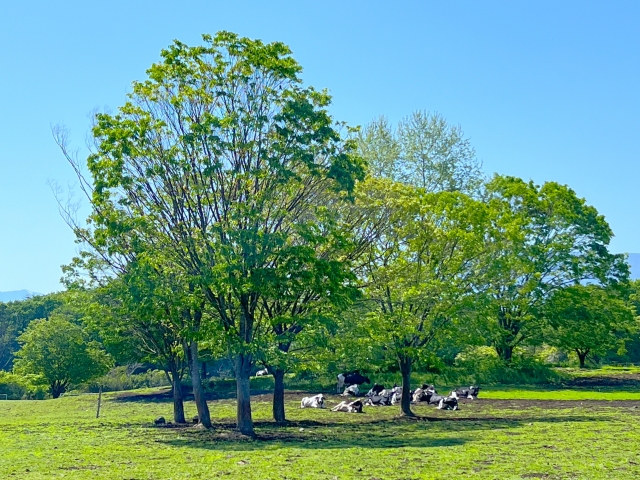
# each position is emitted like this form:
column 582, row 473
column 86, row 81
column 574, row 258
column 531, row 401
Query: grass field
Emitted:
column 509, row 433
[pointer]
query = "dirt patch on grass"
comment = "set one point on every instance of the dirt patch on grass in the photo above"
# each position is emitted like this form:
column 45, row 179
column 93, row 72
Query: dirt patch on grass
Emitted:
column 554, row 404
column 610, row 380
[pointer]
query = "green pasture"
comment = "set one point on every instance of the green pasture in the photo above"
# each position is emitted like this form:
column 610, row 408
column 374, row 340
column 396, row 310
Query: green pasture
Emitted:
column 509, row 433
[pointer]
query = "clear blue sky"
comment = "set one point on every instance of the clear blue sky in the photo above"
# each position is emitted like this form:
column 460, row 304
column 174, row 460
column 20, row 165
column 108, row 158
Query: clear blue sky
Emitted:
column 546, row 90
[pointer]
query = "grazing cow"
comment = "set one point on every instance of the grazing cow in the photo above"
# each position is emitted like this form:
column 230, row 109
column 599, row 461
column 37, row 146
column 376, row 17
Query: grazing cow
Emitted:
column 423, row 393
column 262, row 373
column 375, row 390
column 449, row 403
column 470, row 393
column 160, row 421
column 317, row 401
column 350, row 378
column 349, row 407
column 351, row 390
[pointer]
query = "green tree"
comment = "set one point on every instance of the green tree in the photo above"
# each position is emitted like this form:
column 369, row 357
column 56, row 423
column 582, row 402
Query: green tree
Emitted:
column 544, row 238
column 16, row 316
column 424, row 151
column 220, row 161
column 589, row 320
column 316, row 285
column 420, row 275
column 61, row 353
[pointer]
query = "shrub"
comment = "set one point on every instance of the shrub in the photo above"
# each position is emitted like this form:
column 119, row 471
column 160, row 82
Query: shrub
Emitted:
column 482, row 365
column 18, row 387
column 121, row 378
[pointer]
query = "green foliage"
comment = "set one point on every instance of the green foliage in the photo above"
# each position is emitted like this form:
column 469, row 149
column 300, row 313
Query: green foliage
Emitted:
column 60, row 354
column 14, row 318
column 482, row 365
column 121, row 378
column 543, row 239
column 18, row 387
column 589, row 320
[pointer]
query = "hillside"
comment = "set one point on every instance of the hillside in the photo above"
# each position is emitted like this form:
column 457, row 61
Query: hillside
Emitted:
column 17, row 295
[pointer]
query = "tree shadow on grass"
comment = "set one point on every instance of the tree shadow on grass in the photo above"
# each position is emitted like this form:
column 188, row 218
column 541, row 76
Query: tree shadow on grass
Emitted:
column 369, row 433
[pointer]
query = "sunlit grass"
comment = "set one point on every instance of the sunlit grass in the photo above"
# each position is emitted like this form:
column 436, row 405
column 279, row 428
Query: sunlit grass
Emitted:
column 506, row 434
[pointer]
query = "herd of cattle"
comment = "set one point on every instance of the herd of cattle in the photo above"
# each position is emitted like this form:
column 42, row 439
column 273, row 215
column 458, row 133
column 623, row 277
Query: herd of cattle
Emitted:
column 349, row 385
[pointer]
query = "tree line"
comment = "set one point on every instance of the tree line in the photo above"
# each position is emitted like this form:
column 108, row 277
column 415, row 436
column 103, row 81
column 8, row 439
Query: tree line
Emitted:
column 231, row 214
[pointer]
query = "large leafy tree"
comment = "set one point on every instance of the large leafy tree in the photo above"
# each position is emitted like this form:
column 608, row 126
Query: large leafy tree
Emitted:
column 590, row 320
column 424, row 150
column 421, row 273
column 60, row 353
column 220, row 160
column 544, row 238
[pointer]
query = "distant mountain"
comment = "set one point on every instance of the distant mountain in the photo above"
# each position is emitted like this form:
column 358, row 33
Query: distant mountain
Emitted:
column 17, row 295
column 634, row 261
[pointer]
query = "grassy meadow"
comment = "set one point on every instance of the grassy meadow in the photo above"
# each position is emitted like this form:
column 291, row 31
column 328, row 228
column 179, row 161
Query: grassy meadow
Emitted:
column 507, row 433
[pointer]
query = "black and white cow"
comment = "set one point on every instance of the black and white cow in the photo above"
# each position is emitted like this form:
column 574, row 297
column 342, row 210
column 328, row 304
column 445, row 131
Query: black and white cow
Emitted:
column 468, row 392
column 350, row 378
column 349, row 407
column 375, row 390
column 434, row 399
column 262, row 373
column 317, row 401
column 383, row 398
column 396, row 395
column 449, row 403
column 423, row 393
column 352, row 390
column 386, row 397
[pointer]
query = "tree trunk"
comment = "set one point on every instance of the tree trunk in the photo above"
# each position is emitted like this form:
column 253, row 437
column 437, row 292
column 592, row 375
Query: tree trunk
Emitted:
column 198, row 392
column 278, row 395
column 582, row 356
column 176, row 387
column 505, row 352
column 243, row 391
column 57, row 388
column 405, row 403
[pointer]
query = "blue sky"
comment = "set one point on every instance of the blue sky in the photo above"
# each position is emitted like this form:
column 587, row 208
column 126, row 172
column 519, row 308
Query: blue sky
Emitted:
column 546, row 90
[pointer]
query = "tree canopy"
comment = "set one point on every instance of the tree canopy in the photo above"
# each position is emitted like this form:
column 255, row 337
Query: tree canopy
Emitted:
column 60, row 353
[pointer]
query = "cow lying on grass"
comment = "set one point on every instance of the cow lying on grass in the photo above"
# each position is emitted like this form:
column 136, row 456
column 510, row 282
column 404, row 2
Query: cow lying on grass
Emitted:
column 375, row 390
column 317, row 401
column 350, row 378
column 351, row 390
column 349, row 407
column 423, row 393
column 449, row 402
column 470, row 392
column 385, row 397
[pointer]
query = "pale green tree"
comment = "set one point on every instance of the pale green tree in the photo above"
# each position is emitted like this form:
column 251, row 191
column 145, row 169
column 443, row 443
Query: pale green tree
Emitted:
column 421, row 272
column 424, row 150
